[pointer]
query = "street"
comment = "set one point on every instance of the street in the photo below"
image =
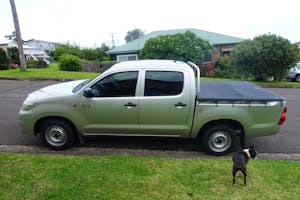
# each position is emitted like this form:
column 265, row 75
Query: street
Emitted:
column 13, row 93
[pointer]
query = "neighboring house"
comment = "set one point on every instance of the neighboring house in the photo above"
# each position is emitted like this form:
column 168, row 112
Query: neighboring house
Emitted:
column 223, row 46
column 29, row 52
column 41, row 45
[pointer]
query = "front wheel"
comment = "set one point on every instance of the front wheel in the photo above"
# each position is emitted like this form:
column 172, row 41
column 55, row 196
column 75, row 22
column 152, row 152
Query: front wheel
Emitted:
column 297, row 79
column 57, row 134
column 218, row 140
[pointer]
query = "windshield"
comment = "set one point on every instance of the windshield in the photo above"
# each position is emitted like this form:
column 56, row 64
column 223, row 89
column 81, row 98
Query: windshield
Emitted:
column 80, row 85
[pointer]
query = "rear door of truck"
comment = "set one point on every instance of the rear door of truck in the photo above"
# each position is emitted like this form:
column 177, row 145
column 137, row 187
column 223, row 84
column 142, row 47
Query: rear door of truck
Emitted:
column 166, row 105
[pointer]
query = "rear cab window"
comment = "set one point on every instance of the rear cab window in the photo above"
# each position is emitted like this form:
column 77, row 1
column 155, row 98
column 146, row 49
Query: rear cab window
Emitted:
column 163, row 83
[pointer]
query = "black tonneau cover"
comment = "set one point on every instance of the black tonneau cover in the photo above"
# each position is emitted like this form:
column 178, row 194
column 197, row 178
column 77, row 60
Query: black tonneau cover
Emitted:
column 240, row 91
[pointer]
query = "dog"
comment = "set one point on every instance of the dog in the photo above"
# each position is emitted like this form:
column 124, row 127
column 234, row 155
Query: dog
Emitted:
column 240, row 160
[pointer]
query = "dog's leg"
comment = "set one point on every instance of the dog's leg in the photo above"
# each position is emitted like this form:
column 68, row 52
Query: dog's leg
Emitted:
column 233, row 176
column 244, row 171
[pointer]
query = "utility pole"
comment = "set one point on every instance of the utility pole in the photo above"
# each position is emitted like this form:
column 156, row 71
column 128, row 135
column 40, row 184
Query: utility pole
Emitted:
column 18, row 33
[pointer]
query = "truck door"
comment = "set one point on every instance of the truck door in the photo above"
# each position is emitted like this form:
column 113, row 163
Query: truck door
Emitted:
column 113, row 107
column 165, row 106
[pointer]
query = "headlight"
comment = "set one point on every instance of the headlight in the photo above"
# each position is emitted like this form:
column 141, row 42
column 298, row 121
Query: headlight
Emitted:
column 27, row 105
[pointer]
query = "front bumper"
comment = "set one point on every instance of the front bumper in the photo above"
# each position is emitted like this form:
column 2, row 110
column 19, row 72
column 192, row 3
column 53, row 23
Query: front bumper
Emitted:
column 26, row 122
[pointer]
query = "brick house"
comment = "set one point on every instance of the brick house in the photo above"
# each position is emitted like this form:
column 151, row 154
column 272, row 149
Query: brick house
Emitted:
column 223, row 45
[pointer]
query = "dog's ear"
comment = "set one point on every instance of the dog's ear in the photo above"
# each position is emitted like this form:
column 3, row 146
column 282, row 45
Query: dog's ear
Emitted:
column 251, row 146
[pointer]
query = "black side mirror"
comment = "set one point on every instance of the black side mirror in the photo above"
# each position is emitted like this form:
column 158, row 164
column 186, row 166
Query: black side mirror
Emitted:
column 88, row 93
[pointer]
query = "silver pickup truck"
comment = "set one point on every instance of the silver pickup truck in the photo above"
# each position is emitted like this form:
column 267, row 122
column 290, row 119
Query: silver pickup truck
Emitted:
column 159, row 98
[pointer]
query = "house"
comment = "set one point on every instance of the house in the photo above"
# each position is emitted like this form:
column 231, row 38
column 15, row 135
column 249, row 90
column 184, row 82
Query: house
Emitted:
column 29, row 52
column 41, row 44
column 223, row 46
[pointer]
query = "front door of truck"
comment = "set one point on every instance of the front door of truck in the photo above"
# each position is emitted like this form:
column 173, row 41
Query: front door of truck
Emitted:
column 113, row 107
column 165, row 106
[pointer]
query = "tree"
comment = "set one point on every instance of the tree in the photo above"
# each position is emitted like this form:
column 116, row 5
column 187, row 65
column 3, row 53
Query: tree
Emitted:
column 180, row 46
column 264, row 57
column 133, row 34
column 3, row 59
column 13, row 54
column 67, row 49
column 12, row 36
column 226, row 69
column 83, row 53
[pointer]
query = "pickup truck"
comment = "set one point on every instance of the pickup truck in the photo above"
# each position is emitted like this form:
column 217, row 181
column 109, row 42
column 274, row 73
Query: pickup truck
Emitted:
column 161, row 98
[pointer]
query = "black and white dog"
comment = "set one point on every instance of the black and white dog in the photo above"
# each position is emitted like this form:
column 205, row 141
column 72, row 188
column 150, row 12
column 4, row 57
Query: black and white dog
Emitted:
column 240, row 160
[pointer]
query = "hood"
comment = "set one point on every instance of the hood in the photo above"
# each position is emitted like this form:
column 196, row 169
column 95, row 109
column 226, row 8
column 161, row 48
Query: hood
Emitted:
column 61, row 89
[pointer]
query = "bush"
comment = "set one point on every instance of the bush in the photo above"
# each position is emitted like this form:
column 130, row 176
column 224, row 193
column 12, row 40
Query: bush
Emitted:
column 31, row 63
column 13, row 54
column 41, row 64
column 36, row 64
column 3, row 60
column 69, row 62
column 226, row 68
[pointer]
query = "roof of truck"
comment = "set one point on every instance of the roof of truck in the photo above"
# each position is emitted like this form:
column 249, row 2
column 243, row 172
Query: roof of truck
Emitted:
column 141, row 64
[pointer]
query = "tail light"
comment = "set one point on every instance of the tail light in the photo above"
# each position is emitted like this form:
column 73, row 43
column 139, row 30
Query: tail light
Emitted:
column 283, row 116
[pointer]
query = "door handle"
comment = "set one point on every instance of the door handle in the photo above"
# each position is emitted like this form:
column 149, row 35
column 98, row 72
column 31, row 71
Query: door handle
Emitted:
column 130, row 105
column 180, row 104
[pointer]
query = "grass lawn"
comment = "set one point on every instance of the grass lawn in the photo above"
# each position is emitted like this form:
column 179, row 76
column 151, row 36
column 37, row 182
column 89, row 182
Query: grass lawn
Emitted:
column 52, row 72
column 29, row 176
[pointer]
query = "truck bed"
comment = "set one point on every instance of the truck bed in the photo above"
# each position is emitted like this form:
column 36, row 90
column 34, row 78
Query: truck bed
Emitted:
column 235, row 91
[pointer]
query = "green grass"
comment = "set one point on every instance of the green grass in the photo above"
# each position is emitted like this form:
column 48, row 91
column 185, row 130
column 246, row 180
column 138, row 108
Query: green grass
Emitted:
column 29, row 176
column 52, row 72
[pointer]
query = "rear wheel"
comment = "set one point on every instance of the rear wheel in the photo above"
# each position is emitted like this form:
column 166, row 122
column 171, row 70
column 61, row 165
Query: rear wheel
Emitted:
column 297, row 79
column 218, row 140
column 57, row 134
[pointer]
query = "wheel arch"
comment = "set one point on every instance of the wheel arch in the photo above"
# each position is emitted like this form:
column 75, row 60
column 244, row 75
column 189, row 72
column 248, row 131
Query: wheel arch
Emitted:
column 42, row 120
column 235, row 125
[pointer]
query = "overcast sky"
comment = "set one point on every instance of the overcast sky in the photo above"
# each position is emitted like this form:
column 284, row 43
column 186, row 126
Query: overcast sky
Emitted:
column 89, row 23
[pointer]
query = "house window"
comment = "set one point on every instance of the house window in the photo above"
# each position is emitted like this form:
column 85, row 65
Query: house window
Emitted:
column 127, row 57
column 207, row 59
column 226, row 53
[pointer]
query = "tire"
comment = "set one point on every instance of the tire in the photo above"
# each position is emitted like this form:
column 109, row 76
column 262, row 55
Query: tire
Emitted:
column 218, row 140
column 297, row 79
column 57, row 134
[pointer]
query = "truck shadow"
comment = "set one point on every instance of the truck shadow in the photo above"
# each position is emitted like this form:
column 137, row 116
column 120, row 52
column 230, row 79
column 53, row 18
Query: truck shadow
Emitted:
column 145, row 143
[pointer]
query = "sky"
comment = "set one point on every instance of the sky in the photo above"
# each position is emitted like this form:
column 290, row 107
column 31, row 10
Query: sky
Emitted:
column 89, row 23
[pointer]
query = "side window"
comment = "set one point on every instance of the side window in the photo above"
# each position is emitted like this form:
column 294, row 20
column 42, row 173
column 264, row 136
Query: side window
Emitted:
column 163, row 83
column 121, row 84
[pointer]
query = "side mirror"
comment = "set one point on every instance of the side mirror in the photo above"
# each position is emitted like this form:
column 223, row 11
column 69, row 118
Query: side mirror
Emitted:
column 88, row 93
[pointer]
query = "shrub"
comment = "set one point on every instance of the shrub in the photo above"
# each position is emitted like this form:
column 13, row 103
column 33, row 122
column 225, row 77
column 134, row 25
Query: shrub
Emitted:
column 41, row 64
column 13, row 54
column 36, row 64
column 226, row 68
column 3, row 59
column 69, row 62
column 31, row 63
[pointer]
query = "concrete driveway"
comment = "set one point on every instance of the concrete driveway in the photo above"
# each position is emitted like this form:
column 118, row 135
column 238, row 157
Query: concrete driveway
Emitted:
column 13, row 93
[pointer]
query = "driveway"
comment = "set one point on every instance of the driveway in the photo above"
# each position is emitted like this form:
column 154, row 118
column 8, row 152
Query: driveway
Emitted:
column 13, row 93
